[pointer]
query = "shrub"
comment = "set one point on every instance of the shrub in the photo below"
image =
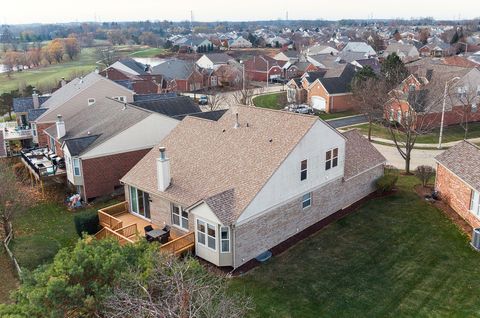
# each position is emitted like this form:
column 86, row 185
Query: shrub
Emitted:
column 424, row 174
column 86, row 222
column 386, row 183
column 391, row 171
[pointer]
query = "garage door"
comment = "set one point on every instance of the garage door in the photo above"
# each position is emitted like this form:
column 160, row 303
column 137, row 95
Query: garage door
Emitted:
column 318, row 103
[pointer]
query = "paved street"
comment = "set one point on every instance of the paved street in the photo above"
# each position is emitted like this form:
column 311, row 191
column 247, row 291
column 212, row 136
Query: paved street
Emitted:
column 419, row 156
column 347, row 121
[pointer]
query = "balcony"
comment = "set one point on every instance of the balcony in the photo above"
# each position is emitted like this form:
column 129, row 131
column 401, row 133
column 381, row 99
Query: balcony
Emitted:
column 42, row 163
column 13, row 132
column 126, row 227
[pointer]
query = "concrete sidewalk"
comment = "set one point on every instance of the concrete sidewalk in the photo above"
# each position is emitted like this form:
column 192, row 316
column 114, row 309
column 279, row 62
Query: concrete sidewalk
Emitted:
column 445, row 145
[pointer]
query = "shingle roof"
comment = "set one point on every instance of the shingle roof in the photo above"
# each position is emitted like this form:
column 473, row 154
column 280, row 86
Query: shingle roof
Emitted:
column 219, row 58
column 138, row 67
column 360, row 155
column 210, row 115
column 174, row 69
column 77, row 146
column 209, row 158
column 172, row 106
column 340, row 84
column 33, row 114
column 24, row 104
column 462, row 159
column 145, row 97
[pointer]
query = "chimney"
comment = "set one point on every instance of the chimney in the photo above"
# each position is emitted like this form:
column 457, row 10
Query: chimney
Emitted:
column 97, row 71
column 163, row 171
column 36, row 101
column 64, row 82
column 60, row 127
column 237, row 123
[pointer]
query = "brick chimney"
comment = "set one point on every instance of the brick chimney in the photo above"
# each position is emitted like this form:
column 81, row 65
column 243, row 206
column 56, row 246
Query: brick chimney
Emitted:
column 36, row 100
column 163, row 170
column 61, row 131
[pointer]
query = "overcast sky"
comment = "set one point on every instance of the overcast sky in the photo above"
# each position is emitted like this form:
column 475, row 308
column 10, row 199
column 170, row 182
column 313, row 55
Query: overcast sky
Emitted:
column 51, row 11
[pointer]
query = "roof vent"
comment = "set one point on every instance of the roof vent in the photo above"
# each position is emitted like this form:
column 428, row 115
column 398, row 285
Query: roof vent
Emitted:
column 237, row 123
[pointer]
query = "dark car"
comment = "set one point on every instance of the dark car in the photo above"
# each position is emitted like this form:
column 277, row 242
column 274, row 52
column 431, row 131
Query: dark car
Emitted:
column 203, row 100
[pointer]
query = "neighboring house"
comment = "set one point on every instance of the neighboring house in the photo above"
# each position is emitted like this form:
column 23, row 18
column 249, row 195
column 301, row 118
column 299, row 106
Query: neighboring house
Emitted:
column 130, row 66
column 458, row 180
column 322, row 49
column 296, row 93
column 262, row 67
column 290, row 171
column 239, row 42
column 359, row 47
column 227, row 75
column 329, row 90
column 196, row 44
column 421, row 95
column 180, row 75
column 406, row 52
column 22, row 105
column 77, row 95
column 103, row 142
column 277, row 41
column 213, row 60
column 288, row 56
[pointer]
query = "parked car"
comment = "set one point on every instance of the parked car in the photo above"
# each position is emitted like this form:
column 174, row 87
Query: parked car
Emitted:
column 279, row 80
column 300, row 109
column 203, row 100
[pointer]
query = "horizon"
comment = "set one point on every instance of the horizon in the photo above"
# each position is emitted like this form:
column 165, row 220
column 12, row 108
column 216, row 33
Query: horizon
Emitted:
column 208, row 11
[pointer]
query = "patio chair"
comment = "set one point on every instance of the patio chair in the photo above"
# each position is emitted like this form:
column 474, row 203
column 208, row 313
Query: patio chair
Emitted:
column 167, row 228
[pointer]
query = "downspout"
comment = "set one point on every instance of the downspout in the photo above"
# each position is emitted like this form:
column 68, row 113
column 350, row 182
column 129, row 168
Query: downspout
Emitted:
column 232, row 229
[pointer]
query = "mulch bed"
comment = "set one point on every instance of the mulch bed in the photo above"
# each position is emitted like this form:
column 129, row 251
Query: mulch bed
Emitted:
column 309, row 231
column 449, row 212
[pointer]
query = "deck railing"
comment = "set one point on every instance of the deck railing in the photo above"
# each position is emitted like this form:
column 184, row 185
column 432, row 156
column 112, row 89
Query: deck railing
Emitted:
column 180, row 244
column 106, row 233
column 107, row 215
column 129, row 231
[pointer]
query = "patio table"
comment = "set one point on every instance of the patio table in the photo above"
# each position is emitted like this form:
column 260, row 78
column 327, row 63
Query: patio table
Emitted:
column 155, row 234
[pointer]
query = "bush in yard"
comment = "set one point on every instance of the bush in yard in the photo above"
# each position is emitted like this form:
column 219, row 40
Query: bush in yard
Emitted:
column 391, row 171
column 425, row 174
column 86, row 222
column 386, row 183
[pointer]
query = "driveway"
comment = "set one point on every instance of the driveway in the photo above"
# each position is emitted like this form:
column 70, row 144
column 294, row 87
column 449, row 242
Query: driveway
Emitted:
column 419, row 156
column 347, row 121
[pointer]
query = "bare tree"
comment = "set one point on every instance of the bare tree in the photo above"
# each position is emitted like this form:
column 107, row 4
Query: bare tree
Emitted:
column 464, row 99
column 245, row 92
column 216, row 101
column 12, row 199
column 425, row 174
column 175, row 289
column 107, row 56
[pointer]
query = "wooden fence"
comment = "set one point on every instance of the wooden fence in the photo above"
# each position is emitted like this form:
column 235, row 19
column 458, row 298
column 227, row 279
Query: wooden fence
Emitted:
column 6, row 243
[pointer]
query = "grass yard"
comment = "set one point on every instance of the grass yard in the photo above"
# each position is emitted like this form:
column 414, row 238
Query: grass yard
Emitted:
column 272, row 101
column 49, row 75
column 42, row 231
column 451, row 133
column 326, row 116
column 150, row 52
column 7, row 276
column 395, row 257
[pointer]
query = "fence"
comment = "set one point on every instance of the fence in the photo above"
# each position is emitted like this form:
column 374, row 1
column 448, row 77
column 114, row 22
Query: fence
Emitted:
column 6, row 242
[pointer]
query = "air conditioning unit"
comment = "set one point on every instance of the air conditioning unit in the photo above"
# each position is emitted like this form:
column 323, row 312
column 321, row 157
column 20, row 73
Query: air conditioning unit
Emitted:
column 476, row 239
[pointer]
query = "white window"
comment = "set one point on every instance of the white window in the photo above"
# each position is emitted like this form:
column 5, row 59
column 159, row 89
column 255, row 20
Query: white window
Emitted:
column 306, row 200
column 225, row 239
column 303, row 170
column 120, row 98
column 179, row 217
column 391, row 114
column 475, row 203
column 399, row 115
column 52, row 145
column 34, row 129
column 91, row 101
column 331, row 160
column 140, row 202
column 206, row 234
column 76, row 167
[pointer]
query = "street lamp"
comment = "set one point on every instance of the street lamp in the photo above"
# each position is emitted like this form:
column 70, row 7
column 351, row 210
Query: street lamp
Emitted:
column 443, row 110
column 243, row 80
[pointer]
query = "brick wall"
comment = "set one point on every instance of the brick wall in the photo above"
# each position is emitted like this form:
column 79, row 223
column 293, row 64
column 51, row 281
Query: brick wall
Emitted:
column 456, row 193
column 341, row 103
column 42, row 136
column 275, row 226
column 101, row 175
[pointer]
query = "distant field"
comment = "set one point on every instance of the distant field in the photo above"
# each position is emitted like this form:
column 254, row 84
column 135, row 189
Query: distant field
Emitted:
column 150, row 52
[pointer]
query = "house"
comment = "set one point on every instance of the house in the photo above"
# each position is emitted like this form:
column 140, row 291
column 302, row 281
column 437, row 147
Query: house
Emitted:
column 128, row 65
column 458, row 180
column 277, row 41
column 329, row 90
column 227, row 75
column 72, row 98
column 213, row 60
column 406, row 52
column 288, row 56
column 103, row 142
column 359, row 47
column 180, row 75
column 262, row 67
column 269, row 175
column 421, row 95
column 22, row 105
column 321, row 49
column 239, row 42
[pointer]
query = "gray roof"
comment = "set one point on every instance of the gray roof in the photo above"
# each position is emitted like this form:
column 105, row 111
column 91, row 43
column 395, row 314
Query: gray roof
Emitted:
column 219, row 58
column 24, row 104
column 33, row 114
column 462, row 159
column 146, row 97
column 210, row 115
column 77, row 145
column 171, row 106
column 138, row 67
column 174, row 69
column 105, row 119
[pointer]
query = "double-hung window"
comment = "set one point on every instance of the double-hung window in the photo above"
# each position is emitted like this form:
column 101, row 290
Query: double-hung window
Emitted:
column 306, row 200
column 206, row 234
column 76, row 167
column 140, row 202
column 475, row 203
column 331, row 159
column 303, row 170
column 179, row 217
column 225, row 239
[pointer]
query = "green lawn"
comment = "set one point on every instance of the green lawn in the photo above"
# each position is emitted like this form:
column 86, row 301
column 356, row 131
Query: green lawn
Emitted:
column 451, row 133
column 272, row 101
column 395, row 257
column 42, row 231
column 150, row 52
column 7, row 277
column 326, row 116
column 50, row 75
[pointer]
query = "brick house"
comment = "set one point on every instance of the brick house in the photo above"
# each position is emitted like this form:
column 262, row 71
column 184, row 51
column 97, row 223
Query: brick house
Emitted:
column 261, row 67
column 458, row 180
column 179, row 75
column 290, row 172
